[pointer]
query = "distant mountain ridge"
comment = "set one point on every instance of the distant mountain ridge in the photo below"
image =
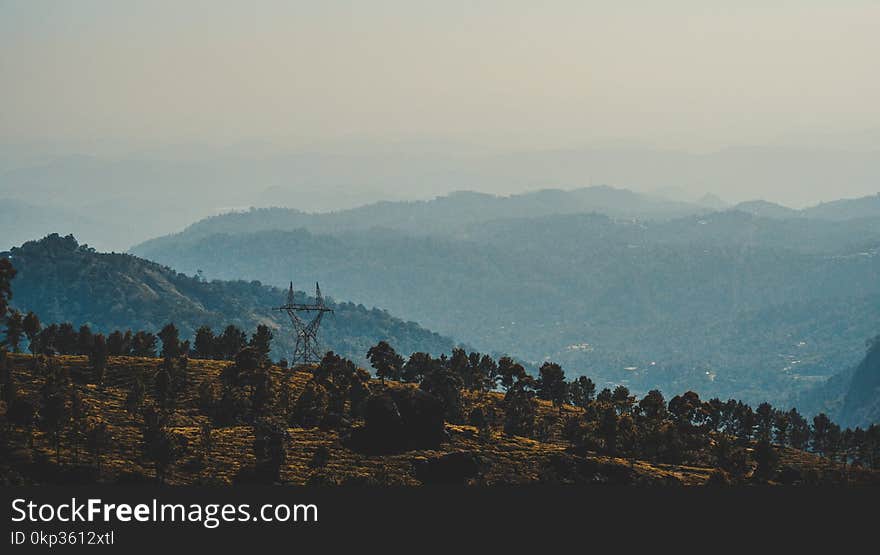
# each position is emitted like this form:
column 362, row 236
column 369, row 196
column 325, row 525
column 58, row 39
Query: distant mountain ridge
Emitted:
column 443, row 215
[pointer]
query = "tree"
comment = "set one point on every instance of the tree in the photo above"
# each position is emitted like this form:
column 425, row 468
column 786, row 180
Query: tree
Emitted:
column 14, row 330
column 652, row 407
column 764, row 419
column 519, row 410
column 84, row 340
column 551, row 384
column 270, row 448
column 230, row 342
column 206, row 441
column 66, row 339
column 781, row 425
column 336, row 375
column 22, row 413
column 446, row 385
column 509, row 372
column 799, row 433
column 170, row 338
column 118, row 343
column 714, row 409
column 263, row 394
column 8, row 390
column 78, row 415
column 31, row 325
column 582, row 391
column 311, row 406
column 622, row 400
column 417, row 367
column 205, row 342
column 98, row 358
column 766, row 457
column 54, row 412
column 98, row 439
column 161, row 446
column 386, row 361
column 821, row 433
column 165, row 393
column 135, row 398
column 261, row 341
column 7, row 273
column 608, row 430
column 143, row 344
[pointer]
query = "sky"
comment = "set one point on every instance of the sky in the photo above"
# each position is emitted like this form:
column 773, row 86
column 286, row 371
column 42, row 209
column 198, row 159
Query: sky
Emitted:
column 175, row 78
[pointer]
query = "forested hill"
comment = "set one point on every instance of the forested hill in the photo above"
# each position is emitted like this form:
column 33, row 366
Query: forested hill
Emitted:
column 63, row 281
column 730, row 303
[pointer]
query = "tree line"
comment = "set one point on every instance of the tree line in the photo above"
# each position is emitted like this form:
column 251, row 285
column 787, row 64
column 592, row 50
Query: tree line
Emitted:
column 252, row 391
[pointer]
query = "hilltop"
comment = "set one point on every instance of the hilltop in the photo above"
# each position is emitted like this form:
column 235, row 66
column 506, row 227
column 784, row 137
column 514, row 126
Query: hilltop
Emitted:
column 62, row 281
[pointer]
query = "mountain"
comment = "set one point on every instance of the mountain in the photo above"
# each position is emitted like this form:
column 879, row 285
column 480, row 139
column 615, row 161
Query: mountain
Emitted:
column 728, row 302
column 861, row 403
column 444, row 215
column 846, row 209
column 765, row 209
column 63, row 281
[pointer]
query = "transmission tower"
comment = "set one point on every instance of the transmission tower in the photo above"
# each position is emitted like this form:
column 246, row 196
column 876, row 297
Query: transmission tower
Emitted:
column 306, row 319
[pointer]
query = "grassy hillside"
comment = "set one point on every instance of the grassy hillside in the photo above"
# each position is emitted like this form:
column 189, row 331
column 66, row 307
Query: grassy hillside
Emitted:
column 320, row 454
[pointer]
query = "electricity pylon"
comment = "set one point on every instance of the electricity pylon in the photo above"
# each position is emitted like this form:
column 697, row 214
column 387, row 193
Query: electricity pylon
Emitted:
column 306, row 319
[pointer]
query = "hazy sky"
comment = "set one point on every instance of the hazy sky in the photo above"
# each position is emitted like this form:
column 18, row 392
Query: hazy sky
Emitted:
column 684, row 74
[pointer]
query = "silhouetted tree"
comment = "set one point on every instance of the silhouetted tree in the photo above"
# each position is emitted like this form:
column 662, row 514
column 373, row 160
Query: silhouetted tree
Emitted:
column 417, row 367
column 230, row 342
column 22, row 413
column 161, row 446
column 66, row 339
column 119, row 344
column 98, row 440
column 7, row 273
column 820, row 433
column 509, row 372
column 84, row 340
column 170, row 337
column 54, row 411
column 520, row 409
column 31, row 325
column 311, row 406
column 622, row 400
column 205, row 343
column 766, row 457
column 551, row 384
column 206, row 441
column 781, row 426
column 98, row 358
column 134, row 401
column 799, row 433
column 446, row 385
column 78, row 415
column 764, row 420
column 14, row 330
column 270, row 448
column 261, row 341
column 582, row 391
column 164, row 384
column 143, row 344
column 386, row 361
